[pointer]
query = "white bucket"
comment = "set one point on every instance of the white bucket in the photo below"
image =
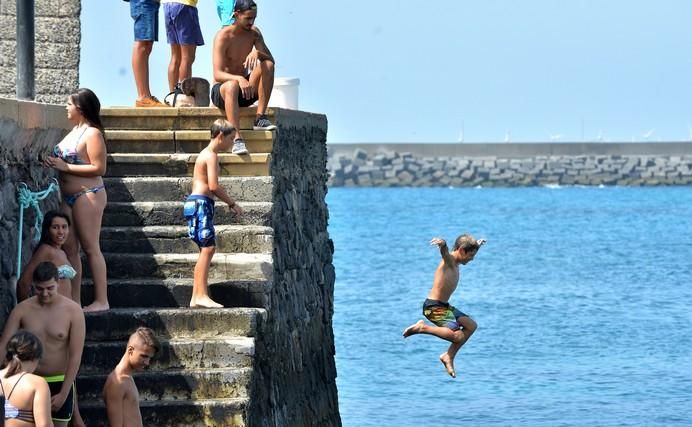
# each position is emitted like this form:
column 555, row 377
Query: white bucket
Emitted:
column 285, row 93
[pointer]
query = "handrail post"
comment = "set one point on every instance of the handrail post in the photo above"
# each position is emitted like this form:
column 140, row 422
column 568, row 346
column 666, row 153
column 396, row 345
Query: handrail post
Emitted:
column 25, row 49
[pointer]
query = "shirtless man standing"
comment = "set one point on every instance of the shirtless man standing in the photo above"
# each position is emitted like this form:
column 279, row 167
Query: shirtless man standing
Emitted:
column 452, row 325
column 59, row 323
column 242, row 75
column 120, row 391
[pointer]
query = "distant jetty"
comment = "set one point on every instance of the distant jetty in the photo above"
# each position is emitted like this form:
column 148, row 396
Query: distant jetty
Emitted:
column 510, row 164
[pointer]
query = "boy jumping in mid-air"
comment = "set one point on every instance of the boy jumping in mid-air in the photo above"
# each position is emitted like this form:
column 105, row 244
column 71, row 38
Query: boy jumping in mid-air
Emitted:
column 451, row 324
column 199, row 208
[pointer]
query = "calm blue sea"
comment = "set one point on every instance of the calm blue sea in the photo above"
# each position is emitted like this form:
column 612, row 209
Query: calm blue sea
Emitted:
column 583, row 297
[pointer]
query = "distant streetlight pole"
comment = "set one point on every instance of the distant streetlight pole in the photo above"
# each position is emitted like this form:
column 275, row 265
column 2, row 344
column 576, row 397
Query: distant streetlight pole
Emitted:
column 25, row 49
column 582, row 130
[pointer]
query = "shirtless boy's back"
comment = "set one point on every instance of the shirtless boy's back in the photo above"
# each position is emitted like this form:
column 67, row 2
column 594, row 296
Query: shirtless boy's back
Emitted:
column 199, row 209
column 120, row 391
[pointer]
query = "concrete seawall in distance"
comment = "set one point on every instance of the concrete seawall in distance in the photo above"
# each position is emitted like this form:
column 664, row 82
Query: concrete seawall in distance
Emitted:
column 510, row 164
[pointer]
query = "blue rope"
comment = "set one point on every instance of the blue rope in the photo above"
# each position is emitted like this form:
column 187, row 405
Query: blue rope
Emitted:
column 26, row 199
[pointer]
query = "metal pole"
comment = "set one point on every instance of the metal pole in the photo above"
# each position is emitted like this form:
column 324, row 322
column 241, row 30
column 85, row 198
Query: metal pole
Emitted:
column 25, row 49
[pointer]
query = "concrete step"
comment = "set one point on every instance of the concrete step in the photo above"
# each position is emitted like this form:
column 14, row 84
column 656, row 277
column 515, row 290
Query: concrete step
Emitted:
column 237, row 352
column 177, row 292
column 164, row 188
column 174, row 239
column 179, row 164
column 167, row 213
column 176, row 385
column 193, row 141
column 179, row 141
column 177, row 413
column 174, row 323
column 197, row 118
column 249, row 267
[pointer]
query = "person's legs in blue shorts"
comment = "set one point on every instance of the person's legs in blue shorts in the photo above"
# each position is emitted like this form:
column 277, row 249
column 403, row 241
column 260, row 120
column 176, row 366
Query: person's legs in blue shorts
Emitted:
column 184, row 35
column 145, row 14
column 199, row 213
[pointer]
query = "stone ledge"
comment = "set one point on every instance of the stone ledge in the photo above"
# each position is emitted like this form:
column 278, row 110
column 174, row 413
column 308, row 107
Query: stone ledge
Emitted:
column 34, row 115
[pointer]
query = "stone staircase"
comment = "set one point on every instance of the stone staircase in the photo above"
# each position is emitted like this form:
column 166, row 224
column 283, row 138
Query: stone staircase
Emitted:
column 204, row 373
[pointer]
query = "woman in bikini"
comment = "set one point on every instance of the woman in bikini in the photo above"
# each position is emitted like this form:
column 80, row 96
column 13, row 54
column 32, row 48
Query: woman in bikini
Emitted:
column 27, row 397
column 81, row 160
column 54, row 232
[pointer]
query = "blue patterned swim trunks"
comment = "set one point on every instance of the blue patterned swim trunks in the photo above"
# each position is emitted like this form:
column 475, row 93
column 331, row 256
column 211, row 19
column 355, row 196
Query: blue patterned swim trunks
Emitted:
column 198, row 210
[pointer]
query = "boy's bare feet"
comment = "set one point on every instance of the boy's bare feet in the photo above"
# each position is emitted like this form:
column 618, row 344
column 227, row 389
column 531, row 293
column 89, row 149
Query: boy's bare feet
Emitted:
column 96, row 306
column 204, row 302
column 449, row 364
column 414, row 329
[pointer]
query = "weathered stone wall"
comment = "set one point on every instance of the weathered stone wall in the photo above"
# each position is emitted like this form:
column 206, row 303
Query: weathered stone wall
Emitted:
column 391, row 169
column 28, row 131
column 58, row 34
column 296, row 382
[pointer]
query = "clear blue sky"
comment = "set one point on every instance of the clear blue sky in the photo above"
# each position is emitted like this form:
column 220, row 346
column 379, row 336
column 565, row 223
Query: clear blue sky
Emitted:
column 396, row 72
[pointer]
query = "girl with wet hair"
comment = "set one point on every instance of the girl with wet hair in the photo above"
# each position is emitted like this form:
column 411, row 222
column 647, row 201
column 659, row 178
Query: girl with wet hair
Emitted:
column 54, row 233
column 26, row 396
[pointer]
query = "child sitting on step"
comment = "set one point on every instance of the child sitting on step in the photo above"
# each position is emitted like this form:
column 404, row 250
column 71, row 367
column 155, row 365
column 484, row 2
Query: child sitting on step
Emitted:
column 199, row 208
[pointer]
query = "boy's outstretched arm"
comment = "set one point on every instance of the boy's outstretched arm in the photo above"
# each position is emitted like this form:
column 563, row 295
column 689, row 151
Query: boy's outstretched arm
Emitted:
column 444, row 250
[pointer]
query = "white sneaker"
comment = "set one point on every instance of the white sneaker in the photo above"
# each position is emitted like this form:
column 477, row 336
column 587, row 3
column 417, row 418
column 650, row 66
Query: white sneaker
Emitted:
column 239, row 147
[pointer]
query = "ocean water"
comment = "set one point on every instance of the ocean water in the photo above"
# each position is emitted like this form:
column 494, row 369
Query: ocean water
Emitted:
column 583, row 299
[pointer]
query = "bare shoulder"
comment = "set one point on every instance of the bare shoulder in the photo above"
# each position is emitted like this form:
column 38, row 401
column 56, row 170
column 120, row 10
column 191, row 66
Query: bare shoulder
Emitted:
column 36, row 382
column 112, row 386
column 208, row 156
column 204, row 156
column 204, row 153
column 44, row 252
column 24, row 306
column 93, row 132
column 118, row 383
column 71, row 307
column 222, row 36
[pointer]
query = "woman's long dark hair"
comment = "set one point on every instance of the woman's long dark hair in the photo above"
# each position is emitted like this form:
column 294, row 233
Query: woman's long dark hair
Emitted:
column 22, row 347
column 47, row 222
column 89, row 105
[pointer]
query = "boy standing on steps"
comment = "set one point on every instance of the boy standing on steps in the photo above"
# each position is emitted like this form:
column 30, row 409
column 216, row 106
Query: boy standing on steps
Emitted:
column 451, row 324
column 199, row 208
column 120, row 391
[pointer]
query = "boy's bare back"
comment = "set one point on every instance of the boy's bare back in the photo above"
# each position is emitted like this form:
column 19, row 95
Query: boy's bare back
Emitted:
column 207, row 161
column 122, row 400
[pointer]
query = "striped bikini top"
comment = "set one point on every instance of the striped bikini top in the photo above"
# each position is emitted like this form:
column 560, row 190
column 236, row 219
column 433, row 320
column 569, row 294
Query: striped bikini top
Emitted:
column 11, row 411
